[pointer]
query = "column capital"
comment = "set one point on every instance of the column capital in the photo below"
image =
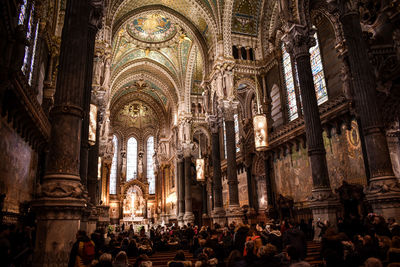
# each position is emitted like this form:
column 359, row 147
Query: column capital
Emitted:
column 214, row 121
column 344, row 7
column 229, row 109
column 299, row 39
column 96, row 13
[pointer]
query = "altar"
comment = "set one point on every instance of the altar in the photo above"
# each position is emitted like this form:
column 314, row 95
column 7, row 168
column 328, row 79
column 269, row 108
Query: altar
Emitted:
column 134, row 205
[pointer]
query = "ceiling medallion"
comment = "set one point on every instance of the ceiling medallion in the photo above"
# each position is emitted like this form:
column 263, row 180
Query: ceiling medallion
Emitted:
column 151, row 28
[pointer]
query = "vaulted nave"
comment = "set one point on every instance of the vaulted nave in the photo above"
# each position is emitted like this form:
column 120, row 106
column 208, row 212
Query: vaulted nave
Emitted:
column 162, row 114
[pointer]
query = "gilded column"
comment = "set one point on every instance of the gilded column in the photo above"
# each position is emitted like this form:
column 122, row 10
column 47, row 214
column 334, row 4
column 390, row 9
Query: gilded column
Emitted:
column 384, row 189
column 298, row 40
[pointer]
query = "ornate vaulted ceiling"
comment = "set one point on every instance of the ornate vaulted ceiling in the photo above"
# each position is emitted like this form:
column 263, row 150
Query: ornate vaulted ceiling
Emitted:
column 245, row 16
column 156, row 61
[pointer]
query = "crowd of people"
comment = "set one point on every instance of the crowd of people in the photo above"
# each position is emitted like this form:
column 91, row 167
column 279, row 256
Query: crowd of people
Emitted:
column 370, row 242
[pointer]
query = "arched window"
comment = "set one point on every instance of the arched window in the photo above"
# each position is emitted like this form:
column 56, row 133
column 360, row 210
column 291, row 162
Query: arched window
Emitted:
column 131, row 159
column 318, row 77
column 237, row 134
column 150, row 167
column 26, row 19
column 318, row 73
column 224, row 134
column 114, row 164
column 289, row 83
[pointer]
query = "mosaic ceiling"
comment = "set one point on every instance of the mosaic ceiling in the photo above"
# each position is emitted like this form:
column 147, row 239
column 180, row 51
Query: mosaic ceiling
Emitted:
column 245, row 16
column 136, row 114
column 151, row 28
column 200, row 13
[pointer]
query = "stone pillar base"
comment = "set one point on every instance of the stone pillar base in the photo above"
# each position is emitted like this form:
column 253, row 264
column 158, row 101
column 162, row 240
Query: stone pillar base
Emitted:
column 383, row 194
column 235, row 214
column 104, row 216
column 324, row 205
column 188, row 218
column 58, row 221
column 180, row 219
column 218, row 216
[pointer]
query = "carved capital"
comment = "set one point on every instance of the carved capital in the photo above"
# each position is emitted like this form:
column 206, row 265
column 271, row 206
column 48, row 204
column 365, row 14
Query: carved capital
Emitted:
column 214, row 122
column 299, row 39
column 96, row 13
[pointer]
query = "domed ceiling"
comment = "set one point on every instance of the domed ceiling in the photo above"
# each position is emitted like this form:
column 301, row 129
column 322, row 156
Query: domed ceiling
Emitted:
column 153, row 28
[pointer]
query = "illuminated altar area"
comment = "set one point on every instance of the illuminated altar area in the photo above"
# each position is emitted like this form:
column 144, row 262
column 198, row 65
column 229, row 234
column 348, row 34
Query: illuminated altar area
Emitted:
column 134, row 202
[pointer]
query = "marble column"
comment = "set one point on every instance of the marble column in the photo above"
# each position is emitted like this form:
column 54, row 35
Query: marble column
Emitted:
column 323, row 203
column 93, row 167
column 268, row 183
column 61, row 198
column 218, row 213
column 181, row 189
column 235, row 212
column 384, row 190
column 188, row 217
column 84, row 153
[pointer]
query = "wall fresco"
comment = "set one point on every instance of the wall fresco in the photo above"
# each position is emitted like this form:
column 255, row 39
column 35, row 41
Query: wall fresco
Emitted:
column 17, row 168
column 345, row 162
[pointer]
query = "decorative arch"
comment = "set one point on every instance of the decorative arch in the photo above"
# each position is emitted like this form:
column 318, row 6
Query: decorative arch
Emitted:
column 203, row 129
column 138, row 183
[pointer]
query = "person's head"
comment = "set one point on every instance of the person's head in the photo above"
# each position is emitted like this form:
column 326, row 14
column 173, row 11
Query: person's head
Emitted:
column 80, row 234
column 249, row 246
column 121, row 258
column 106, row 257
column 293, row 253
column 146, row 264
column 234, row 257
column 391, row 220
column 268, row 250
column 331, row 258
column 396, row 242
column 367, row 240
column 373, row 262
column 180, row 256
column 209, row 252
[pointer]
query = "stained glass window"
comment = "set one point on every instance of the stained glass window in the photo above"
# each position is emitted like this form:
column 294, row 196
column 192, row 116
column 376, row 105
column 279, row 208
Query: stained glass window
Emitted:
column 22, row 13
column 113, row 174
column 150, row 167
column 33, row 55
column 318, row 73
column 237, row 134
column 289, row 82
column 224, row 134
column 131, row 159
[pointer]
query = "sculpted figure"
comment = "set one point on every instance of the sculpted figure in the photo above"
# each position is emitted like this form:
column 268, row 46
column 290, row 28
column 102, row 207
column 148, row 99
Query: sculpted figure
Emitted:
column 107, row 73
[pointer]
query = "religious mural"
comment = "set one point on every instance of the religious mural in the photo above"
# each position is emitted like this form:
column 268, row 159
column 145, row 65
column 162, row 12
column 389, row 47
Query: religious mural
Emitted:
column 136, row 115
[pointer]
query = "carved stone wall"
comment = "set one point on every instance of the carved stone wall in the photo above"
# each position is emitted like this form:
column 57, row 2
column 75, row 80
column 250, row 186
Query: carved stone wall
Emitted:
column 18, row 164
column 292, row 173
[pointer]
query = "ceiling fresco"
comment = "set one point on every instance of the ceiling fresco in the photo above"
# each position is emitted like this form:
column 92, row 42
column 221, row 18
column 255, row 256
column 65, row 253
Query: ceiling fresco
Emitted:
column 199, row 17
column 144, row 86
column 136, row 114
column 151, row 28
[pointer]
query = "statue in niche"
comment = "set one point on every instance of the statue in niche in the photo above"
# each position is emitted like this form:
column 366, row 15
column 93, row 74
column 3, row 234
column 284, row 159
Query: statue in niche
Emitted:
column 140, row 164
column 107, row 73
column 98, row 67
column 206, row 99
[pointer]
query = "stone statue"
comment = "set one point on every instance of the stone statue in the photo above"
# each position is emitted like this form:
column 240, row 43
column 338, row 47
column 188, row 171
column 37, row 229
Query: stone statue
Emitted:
column 285, row 10
column 206, row 99
column 97, row 68
column 140, row 164
column 107, row 73
column 229, row 85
